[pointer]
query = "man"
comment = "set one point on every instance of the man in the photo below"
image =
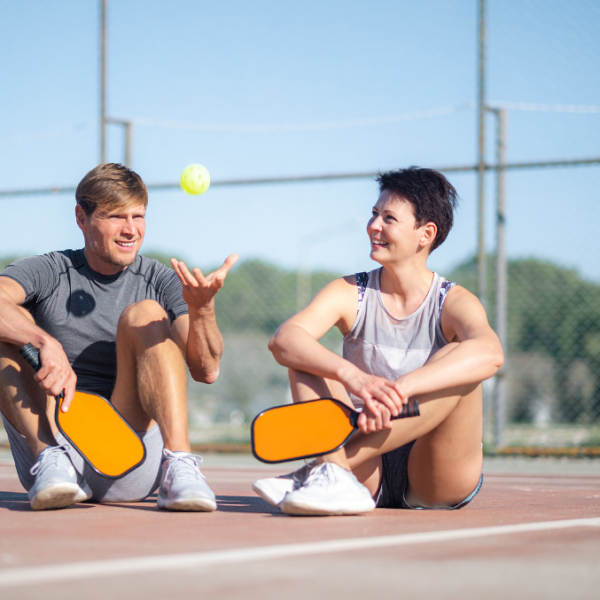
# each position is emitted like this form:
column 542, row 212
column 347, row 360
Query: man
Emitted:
column 408, row 335
column 112, row 322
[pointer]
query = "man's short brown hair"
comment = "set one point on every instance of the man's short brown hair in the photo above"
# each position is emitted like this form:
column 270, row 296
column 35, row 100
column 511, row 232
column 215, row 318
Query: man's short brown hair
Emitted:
column 109, row 187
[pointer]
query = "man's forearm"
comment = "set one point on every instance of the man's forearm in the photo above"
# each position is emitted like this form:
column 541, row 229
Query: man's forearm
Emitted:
column 204, row 346
column 16, row 328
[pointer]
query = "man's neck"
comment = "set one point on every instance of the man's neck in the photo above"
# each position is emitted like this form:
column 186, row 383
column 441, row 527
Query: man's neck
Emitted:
column 99, row 265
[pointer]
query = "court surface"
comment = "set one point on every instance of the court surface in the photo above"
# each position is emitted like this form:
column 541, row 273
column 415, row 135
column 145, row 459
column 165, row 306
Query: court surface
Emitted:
column 533, row 532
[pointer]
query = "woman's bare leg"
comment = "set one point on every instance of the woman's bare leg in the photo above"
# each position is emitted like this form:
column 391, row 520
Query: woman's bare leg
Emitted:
column 445, row 462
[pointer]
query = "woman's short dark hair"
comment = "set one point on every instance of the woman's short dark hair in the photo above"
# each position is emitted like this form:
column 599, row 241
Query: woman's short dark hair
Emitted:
column 109, row 187
column 432, row 196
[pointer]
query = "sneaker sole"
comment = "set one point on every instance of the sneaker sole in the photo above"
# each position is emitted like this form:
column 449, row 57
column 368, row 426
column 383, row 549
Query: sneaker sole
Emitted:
column 306, row 510
column 188, row 504
column 58, row 496
column 264, row 494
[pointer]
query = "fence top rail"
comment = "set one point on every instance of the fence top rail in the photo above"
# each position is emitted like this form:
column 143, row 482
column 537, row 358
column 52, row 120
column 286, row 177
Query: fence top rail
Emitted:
column 320, row 176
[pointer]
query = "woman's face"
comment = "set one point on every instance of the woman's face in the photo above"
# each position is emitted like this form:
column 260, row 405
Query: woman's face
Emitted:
column 393, row 230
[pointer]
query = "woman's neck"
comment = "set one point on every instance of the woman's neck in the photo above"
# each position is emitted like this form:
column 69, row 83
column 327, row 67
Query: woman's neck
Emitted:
column 404, row 287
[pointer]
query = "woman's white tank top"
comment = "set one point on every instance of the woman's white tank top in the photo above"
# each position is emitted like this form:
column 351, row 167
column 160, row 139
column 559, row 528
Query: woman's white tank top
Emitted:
column 381, row 344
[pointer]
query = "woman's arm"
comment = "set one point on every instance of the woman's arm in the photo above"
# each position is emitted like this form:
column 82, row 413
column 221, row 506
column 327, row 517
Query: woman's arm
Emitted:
column 476, row 357
column 295, row 345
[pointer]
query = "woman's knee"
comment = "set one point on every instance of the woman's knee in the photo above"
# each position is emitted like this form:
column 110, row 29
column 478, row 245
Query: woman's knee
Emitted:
column 306, row 386
column 443, row 352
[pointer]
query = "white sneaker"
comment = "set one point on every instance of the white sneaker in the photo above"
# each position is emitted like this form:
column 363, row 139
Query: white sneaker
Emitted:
column 182, row 485
column 274, row 489
column 328, row 490
column 57, row 483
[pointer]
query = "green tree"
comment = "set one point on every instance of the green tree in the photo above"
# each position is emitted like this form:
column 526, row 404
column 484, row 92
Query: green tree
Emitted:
column 553, row 312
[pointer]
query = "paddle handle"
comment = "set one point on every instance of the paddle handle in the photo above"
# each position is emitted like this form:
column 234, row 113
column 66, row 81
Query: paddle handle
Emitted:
column 31, row 354
column 408, row 410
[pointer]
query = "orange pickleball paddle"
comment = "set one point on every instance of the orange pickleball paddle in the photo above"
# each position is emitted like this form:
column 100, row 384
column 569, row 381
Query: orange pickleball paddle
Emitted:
column 96, row 429
column 307, row 429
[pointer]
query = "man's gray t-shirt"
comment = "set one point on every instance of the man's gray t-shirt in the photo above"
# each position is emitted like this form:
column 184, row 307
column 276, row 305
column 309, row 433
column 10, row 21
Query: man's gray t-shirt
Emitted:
column 81, row 308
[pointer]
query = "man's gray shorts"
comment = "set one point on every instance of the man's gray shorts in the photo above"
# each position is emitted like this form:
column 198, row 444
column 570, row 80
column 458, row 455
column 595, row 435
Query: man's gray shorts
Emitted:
column 134, row 486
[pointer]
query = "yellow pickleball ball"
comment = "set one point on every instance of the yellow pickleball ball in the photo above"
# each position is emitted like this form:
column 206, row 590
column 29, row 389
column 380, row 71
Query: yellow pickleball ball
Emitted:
column 195, row 180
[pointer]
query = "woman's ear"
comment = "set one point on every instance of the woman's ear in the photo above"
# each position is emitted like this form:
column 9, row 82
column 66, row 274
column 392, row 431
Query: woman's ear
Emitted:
column 428, row 233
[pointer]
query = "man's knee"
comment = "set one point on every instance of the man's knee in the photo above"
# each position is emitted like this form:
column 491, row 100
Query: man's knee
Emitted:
column 142, row 313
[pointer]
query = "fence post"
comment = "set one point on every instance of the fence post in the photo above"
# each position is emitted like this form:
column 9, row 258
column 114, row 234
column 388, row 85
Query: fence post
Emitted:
column 501, row 278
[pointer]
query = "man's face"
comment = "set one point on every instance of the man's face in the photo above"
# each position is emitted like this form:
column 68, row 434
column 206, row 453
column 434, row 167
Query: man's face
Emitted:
column 112, row 239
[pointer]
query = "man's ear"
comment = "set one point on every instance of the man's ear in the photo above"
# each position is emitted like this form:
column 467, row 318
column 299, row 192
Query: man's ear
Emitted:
column 428, row 233
column 80, row 216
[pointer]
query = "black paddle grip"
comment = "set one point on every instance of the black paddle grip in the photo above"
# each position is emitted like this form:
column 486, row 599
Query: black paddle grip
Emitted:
column 409, row 410
column 31, row 355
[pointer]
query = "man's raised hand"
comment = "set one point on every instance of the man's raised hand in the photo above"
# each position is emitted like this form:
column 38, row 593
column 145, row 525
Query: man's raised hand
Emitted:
column 199, row 289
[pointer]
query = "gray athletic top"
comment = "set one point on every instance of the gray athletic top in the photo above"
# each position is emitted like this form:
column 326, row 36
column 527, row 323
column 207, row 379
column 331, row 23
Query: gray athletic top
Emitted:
column 81, row 308
column 381, row 344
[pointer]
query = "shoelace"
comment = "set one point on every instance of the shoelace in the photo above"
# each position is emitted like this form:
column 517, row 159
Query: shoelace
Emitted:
column 49, row 458
column 321, row 475
column 185, row 465
column 299, row 476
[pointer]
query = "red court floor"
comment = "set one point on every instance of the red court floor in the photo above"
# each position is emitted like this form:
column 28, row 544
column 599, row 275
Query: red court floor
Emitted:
column 526, row 535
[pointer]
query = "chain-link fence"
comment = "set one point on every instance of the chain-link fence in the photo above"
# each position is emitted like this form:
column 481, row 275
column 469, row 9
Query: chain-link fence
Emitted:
column 542, row 62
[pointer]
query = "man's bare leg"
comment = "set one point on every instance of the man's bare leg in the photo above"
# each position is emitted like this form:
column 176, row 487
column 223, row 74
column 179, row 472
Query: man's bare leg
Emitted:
column 29, row 410
column 151, row 384
column 151, row 388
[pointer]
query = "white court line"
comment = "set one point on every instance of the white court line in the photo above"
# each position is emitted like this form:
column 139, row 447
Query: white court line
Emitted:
column 128, row 566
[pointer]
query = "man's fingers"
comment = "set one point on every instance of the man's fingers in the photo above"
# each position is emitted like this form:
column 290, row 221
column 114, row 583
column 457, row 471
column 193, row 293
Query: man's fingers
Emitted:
column 69, row 395
column 221, row 272
column 184, row 274
column 229, row 262
column 194, row 277
column 175, row 265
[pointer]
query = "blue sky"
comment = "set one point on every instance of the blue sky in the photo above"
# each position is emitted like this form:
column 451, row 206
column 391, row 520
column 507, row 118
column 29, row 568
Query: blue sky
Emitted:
column 234, row 64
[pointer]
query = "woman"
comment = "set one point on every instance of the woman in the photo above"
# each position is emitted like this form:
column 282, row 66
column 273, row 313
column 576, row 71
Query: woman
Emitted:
column 408, row 334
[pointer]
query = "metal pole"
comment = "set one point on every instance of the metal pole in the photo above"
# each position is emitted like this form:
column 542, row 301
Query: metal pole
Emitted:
column 303, row 275
column 128, row 143
column 481, row 275
column 103, row 10
column 127, row 137
column 501, row 278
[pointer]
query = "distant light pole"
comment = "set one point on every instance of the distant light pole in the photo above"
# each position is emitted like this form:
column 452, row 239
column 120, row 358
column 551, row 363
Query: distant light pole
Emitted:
column 481, row 270
column 303, row 277
column 103, row 12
